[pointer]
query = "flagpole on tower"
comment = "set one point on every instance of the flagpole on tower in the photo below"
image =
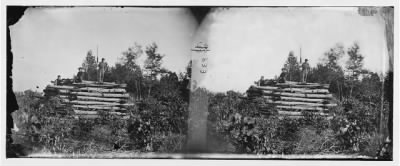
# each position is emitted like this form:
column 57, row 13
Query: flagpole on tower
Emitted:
column 97, row 61
column 97, row 53
column 300, row 55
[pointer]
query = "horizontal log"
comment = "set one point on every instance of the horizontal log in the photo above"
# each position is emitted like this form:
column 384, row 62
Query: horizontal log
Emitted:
column 102, row 107
column 63, row 96
column 302, row 99
column 82, row 112
column 293, row 113
column 100, row 103
column 291, row 103
column 301, row 108
column 94, row 103
column 96, row 82
column 101, row 94
column 127, row 104
column 96, row 116
column 64, row 91
column 304, row 95
column 104, row 85
column 302, row 85
column 94, row 85
column 300, row 90
column 91, row 89
column 263, row 87
column 88, row 98
column 60, row 87
column 306, row 90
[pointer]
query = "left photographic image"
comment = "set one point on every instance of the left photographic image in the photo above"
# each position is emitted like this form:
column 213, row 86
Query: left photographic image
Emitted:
column 90, row 80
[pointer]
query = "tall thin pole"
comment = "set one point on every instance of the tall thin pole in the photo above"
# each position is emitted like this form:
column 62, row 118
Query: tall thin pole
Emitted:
column 300, row 55
column 97, row 53
column 301, row 73
column 97, row 62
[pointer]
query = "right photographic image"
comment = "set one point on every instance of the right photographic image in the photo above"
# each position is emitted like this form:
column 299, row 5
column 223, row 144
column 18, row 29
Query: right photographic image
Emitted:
column 294, row 82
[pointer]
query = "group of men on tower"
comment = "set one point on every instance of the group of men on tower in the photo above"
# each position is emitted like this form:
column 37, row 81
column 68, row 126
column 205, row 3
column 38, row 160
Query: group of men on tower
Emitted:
column 305, row 69
column 101, row 69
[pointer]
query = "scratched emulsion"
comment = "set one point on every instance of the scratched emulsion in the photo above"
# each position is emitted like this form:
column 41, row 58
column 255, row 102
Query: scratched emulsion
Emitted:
column 198, row 106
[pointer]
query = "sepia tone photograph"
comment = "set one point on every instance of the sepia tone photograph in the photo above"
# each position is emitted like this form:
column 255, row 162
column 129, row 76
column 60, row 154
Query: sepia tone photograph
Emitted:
column 200, row 82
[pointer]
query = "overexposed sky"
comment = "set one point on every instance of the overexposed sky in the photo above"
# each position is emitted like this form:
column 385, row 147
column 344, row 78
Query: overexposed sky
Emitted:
column 247, row 43
column 47, row 42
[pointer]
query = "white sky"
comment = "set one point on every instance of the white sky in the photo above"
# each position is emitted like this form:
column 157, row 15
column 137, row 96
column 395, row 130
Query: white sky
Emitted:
column 51, row 41
column 246, row 43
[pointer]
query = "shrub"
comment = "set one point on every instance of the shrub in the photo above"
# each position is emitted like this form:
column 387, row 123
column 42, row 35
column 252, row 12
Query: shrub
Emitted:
column 168, row 143
column 311, row 142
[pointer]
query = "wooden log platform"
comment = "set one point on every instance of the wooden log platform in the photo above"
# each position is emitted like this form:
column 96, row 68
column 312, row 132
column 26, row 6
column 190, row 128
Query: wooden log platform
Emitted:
column 88, row 97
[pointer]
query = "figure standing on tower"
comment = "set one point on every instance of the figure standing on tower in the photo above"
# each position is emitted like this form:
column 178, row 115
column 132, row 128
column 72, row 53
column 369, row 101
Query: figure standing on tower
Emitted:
column 102, row 69
column 305, row 67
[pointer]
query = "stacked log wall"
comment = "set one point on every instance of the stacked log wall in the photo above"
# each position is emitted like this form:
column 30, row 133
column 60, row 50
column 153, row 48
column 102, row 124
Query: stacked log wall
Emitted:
column 88, row 98
column 292, row 98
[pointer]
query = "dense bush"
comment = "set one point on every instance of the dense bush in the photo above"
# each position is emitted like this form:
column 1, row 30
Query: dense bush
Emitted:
column 357, row 125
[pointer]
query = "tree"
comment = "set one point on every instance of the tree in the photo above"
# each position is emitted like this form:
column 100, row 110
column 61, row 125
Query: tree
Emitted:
column 293, row 67
column 130, row 57
column 90, row 66
column 153, row 64
column 369, row 89
column 354, row 65
column 184, row 86
column 188, row 73
column 332, row 57
column 329, row 71
column 153, row 61
column 129, row 71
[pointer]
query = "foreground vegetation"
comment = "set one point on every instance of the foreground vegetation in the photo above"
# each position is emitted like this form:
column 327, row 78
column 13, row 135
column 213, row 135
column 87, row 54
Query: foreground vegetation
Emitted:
column 158, row 122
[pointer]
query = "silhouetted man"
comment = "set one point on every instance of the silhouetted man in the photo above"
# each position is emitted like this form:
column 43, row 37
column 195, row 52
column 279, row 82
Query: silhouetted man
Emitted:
column 102, row 69
column 58, row 80
column 305, row 67
column 282, row 77
column 79, row 76
column 261, row 81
